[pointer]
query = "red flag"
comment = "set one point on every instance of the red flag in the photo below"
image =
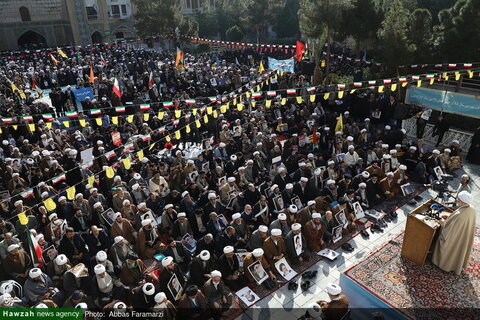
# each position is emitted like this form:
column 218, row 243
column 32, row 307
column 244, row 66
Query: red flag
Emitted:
column 300, row 51
column 34, row 84
column 150, row 80
column 116, row 88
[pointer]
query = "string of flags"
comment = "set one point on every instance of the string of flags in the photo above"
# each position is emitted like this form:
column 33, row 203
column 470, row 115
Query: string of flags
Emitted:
column 267, row 48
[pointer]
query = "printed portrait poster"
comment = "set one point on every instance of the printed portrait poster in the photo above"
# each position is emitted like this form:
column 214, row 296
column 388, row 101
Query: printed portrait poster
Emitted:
column 341, row 218
column 175, row 287
column 337, row 234
column 107, row 215
column 297, row 240
column 407, row 189
column 357, row 208
column 247, row 296
column 258, row 272
column 284, row 269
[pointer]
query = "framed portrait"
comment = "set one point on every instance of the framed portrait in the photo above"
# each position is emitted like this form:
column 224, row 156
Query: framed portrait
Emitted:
column 247, row 296
column 189, row 242
column 278, row 202
column 337, row 234
column 438, row 172
column 296, row 201
column 222, row 181
column 258, row 272
column 241, row 257
column 49, row 254
column 284, row 269
column 407, row 189
column 328, row 253
column 297, row 240
column 206, row 167
column 175, row 287
column 223, row 220
column 193, row 175
column 107, row 216
column 341, row 218
column 357, row 208
column 149, row 215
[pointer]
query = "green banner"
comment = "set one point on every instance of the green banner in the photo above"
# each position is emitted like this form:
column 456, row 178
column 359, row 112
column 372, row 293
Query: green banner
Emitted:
column 41, row 314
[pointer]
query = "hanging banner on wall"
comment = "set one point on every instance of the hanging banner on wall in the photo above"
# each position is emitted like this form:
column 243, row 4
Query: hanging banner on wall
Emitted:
column 282, row 65
column 450, row 102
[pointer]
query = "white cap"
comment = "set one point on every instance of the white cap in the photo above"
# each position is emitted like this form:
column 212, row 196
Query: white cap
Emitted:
column 81, row 305
column 137, row 176
column 228, row 249
column 41, row 306
column 18, row 202
column 292, row 208
column 136, row 186
column 235, row 216
column 351, row 147
column 304, row 179
column 168, row 206
column 146, row 222
column 350, row 138
column 204, row 255
column 13, row 247
column 393, row 151
column 101, row 256
column 250, row 161
column 142, row 204
column 97, row 205
column 34, row 273
column 216, row 273
column 222, row 145
column 296, row 226
column 455, row 141
column 402, row 167
column 316, row 215
column 212, row 195
column 120, row 305
column 262, row 228
column 53, row 215
column 233, row 157
column 44, row 194
column 363, row 130
column 184, row 194
column 333, row 289
column 117, row 239
column 273, row 187
column 465, row 196
column 330, row 181
column 62, row 198
column 281, row 169
column 387, row 127
column 61, row 259
column 329, row 162
column 386, row 156
column 310, row 155
column 384, row 146
column 311, row 203
column 78, row 195
column 315, row 311
column 302, row 164
column 436, row 151
column 447, row 150
column 231, row 179
column 289, row 186
column 362, row 185
column 257, row 252
column 181, row 214
column 390, row 174
column 282, row 216
column 167, row 261
column 403, row 131
column 276, row 232
column 39, row 236
column 148, row 289
column 99, row 269
column 159, row 297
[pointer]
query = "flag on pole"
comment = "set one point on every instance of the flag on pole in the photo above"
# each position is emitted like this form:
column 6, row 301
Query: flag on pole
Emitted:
column 61, row 53
column 299, row 51
column 36, row 251
column 150, row 80
column 92, row 77
column 179, row 57
column 339, row 126
column 261, row 68
column 116, row 88
column 53, row 58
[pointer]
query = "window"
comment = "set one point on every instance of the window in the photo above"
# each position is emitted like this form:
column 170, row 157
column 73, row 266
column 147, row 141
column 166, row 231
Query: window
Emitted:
column 115, row 11
column 91, row 13
column 194, row 4
column 25, row 14
column 119, row 35
column 189, row 5
column 124, row 9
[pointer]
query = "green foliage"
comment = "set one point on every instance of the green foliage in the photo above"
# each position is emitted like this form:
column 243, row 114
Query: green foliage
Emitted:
column 287, row 24
column 420, row 35
column 234, row 34
column 259, row 14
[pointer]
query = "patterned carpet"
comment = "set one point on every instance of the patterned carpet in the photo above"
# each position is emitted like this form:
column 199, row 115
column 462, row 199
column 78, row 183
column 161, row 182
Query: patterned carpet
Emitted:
column 420, row 292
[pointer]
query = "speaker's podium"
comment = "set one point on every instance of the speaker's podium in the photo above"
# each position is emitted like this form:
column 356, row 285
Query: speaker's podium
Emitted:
column 420, row 233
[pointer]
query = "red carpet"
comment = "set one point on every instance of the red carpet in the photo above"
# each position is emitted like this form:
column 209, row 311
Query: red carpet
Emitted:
column 420, row 291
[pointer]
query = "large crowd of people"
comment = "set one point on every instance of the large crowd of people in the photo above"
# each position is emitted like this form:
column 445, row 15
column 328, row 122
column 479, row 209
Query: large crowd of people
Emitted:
column 166, row 230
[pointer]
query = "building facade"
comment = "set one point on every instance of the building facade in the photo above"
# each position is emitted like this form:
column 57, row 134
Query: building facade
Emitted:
column 30, row 24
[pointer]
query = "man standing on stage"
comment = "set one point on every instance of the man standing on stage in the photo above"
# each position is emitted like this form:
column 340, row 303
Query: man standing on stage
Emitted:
column 454, row 245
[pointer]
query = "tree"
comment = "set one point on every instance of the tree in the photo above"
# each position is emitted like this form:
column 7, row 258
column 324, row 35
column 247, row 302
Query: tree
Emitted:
column 394, row 47
column 234, row 34
column 162, row 17
column 259, row 14
column 420, row 34
column 287, row 20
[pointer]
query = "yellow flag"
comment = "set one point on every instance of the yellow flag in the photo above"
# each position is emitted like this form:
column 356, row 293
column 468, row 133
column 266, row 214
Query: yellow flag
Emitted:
column 239, row 107
column 66, row 124
column 235, row 101
column 322, row 64
column 197, row 123
column 205, row 119
column 178, row 135
column 168, row 139
column 151, row 146
column 457, row 75
column 352, row 91
column 268, row 103
column 178, row 113
column 22, row 217
column 187, row 129
column 312, row 98
column 130, row 118
column 50, row 204
column 404, row 84
column 284, row 101
column 15, row 126
column 419, row 83
column 140, row 155
column 254, row 103
column 98, row 121
column 83, row 122
column 223, row 109
column 326, row 96
column 445, row 76
column 432, row 81
column 299, row 99
column 209, row 110
column 49, row 125
column 380, row 88
column 110, row 172
column 266, row 82
column 146, row 116
column 31, row 126
column 393, row 87
column 215, row 114
column 339, row 126
column 115, row 120
column 340, row 94
column 71, row 193
column 247, row 94
column 126, row 163
column 470, row 74
column 194, row 112
column 161, row 114
column 91, row 180
column 261, row 69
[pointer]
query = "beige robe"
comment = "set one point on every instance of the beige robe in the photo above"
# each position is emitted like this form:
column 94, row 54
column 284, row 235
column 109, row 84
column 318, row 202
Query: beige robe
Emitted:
column 454, row 245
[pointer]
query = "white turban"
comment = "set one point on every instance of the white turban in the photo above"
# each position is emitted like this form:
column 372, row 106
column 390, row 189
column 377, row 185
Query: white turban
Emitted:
column 465, row 196
column 148, row 289
column 296, row 226
column 263, row 228
column 258, row 252
column 34, row 273
column 316, row 215
column 216, row 273
column 333, row 289
column 159, row 297
column 228, row 249
column 99, row 269
column 276, row 232
column 167, row 261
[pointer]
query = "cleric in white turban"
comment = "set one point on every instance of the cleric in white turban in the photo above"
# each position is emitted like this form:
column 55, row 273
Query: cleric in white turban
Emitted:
column 454, row 245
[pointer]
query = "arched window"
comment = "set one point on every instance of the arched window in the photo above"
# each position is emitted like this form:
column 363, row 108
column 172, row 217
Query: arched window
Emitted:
column 25, row 14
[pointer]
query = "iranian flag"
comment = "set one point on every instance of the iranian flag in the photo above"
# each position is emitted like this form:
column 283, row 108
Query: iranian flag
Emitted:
column 7, row 120
column 430, row 76
column 188, row 115
column 452, row 65
column 190, row 101
column 119, row 109
column 59, row 178
column 95, row 111
column 291, row 91
column 402, row 79
column 35, row 251
column 110, row 154
column 175, row 123
column 212, row 99
column 128, row 146
column 168, row 104
column 310, row 89
column 87, row 165
column 27, row 118
column 71, row 114
column 116, row 88
column 341, row 86
column 414, row 65
column 257, row 94
column 144, row 106
column 27, row 193
column 146, row 137
column 467, row 65
column 150, row 80
column 161, row 130
column 415, row 77
column 271, row 93
column 438, row 65
column 47, row 116
column 372, row 82
column 387, row 81
column 357, row 84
